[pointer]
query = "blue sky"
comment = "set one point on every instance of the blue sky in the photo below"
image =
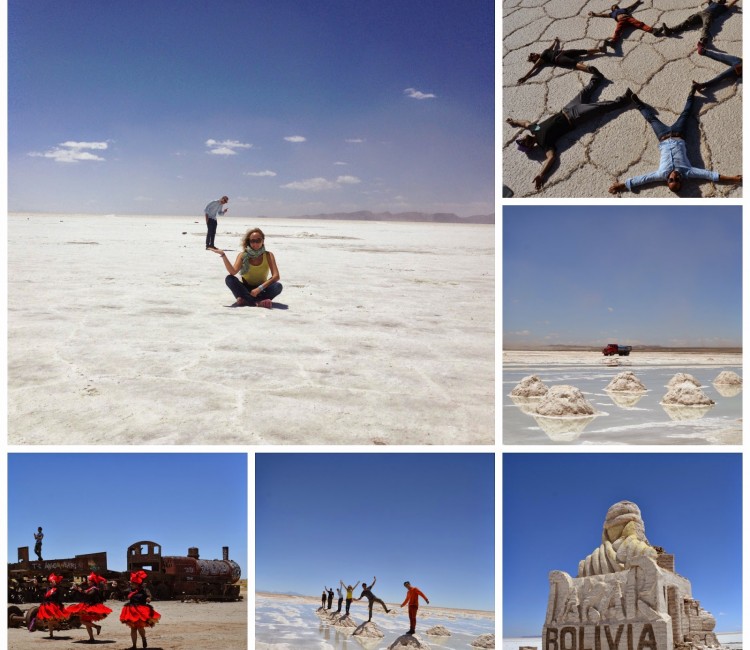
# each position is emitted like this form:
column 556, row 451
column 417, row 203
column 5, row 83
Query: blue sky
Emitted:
column 634, row 275
column 288, row 107
column 426, row 518
column 87, row 503
column 554, row 507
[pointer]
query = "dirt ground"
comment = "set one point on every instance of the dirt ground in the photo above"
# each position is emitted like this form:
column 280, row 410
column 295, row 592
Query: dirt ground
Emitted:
column 183, row 626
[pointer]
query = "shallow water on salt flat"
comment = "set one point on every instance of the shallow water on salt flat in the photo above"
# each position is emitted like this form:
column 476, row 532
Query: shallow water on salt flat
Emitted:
column 283, row 625
column 645, row 422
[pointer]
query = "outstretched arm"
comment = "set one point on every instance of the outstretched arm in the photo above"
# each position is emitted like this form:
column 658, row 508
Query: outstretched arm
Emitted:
column 737, row 180
column 633, row 6
column 549, row 160
column 523, row 124
column 616, row 188
column 596, row 15
column 534, row 69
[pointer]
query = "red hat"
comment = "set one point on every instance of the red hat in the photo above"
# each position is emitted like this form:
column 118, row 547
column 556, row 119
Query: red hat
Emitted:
column 54, row 579
column 138, row 577
column 95, row 578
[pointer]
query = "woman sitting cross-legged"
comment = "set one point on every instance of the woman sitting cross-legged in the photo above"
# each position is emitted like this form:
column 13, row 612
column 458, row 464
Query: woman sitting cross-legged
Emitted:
column 258, row 283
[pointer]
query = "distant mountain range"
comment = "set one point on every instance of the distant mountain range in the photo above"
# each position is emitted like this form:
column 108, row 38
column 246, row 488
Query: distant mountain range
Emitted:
column 366, row 215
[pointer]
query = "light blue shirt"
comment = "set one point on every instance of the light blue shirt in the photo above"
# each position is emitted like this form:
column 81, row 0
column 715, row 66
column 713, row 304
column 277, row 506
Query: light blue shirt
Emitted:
column 214, row 208
column 673, row 156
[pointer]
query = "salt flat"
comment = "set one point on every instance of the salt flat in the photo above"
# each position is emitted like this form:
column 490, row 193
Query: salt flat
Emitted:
column 624, row 418
column 659, row 70
column 384, row 334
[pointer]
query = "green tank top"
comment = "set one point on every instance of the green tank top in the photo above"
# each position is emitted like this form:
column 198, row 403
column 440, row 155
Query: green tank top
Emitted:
column 257, row 275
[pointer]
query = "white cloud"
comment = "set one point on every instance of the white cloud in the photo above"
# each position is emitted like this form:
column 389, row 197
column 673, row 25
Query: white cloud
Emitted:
column 338, row 162
column 295, row 138
column 610, row 309
column 311, row 185
column 417, row 94
column 267, row 172
column 225, row 147
column 73, row 152
column 348, row 180
column 354, row 140
column 321, row 184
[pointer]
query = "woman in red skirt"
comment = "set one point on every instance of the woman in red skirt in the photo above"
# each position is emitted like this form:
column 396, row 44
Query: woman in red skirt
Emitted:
column 138, row 613
column 91, row 607
column 51, row 611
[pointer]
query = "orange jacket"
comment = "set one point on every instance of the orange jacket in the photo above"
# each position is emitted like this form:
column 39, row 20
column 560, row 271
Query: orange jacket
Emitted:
column 412, row 597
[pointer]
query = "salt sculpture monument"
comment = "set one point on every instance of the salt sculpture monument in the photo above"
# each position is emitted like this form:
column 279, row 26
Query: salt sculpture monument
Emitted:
column 626, row 596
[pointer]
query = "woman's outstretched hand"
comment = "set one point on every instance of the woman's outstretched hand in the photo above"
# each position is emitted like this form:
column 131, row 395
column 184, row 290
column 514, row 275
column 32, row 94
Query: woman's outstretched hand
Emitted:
column 218, row 251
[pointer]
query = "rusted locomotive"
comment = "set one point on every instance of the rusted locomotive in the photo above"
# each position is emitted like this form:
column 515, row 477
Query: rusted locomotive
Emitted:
column 169, row 577
column 186, row 577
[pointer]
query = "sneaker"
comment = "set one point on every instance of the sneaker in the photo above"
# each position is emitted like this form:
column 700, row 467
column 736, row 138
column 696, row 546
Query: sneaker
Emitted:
column 701, row 48
column 596, row 72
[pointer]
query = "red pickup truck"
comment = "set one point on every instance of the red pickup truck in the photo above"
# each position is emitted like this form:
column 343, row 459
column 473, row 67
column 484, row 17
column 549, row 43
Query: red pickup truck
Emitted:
column 613, row 348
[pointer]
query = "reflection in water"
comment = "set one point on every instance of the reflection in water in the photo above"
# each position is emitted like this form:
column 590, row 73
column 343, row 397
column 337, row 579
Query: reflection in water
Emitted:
column 682, row 412
column 728, row 390
column 563, row 429
column 625, row 400
column 526, row 404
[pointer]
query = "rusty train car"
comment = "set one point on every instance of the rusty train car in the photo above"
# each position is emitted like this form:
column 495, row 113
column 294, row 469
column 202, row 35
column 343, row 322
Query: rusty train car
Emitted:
column 169, row 577
column 188, row 576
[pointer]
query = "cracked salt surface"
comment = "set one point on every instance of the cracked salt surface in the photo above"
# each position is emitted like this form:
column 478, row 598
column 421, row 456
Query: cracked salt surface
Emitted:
column 615, row 147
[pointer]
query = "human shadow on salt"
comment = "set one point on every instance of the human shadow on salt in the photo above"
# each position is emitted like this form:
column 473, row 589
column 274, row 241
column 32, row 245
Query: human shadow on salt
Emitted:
column 99, row 642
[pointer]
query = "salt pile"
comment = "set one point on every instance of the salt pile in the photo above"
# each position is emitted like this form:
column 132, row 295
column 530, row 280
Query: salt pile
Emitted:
column 484, row 641
column 344, row 621
column 438, row 630
column 369, row 630
column 687, row 394
column 531, row 386
column 409, row 641
column 728, row 377
column 626, row 382
column 564, row 401
column 682, row 377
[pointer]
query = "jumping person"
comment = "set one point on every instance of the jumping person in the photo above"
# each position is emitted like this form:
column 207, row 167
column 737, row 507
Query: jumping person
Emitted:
column 546, row 133
column 674, row 165
column 38, row 537
column 704, row 18
column 212, row 210
column 341, row 599
column 623, row 17
column 138, row 613
column 734, row 71
column 412, row 597
column 91, row 608
column 51, row 611
column 555, row 56
column 349, row 594
column 254, row 264
column 371, row 598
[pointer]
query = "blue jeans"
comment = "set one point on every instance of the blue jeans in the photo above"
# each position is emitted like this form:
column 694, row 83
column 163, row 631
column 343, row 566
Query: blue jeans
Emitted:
column 723, row 57
column 210, row 232
column 661, row 129
column 241, row 290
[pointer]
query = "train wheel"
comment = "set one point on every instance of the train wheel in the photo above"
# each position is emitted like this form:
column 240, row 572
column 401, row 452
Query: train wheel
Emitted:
column 14, row 611
column 31, row 615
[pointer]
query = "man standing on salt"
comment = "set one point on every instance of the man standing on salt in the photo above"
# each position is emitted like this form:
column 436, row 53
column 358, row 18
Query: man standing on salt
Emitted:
column 412, row 597
column 212, row 210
